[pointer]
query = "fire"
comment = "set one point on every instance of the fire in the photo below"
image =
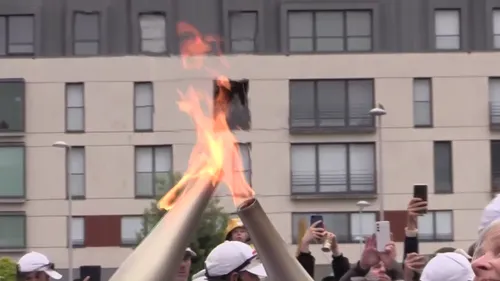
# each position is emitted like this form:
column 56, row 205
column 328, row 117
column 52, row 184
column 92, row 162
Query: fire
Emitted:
column 215, row 156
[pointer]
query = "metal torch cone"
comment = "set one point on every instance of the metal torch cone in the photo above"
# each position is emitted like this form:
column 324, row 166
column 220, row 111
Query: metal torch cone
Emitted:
column 159, row 255
column 280, row 264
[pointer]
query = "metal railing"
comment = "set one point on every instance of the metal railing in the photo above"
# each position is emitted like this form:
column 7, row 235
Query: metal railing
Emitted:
column 355, row 182
column 332, row 119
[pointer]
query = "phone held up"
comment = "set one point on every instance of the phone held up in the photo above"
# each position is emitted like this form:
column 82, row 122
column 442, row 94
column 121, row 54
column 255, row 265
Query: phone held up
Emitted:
column 420, row 191
column 316, row 218
column 382, row 234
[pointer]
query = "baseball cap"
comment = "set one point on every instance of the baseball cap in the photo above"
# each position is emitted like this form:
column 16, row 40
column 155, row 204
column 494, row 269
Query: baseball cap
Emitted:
column 34, row 261
column 233, row 256
column 448, row 267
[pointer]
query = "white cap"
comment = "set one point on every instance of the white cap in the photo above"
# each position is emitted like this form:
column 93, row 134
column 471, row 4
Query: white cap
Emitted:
column 448, row 267
column 230, row 256
column 33, row 261
column 490, row 213
column 191, row 252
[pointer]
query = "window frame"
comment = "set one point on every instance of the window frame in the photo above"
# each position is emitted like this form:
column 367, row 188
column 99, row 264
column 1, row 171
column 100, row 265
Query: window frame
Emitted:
column 70, row 224
column 99, row 40
column 24, row 158
column 460, row 29
column 152, row 106
column 67, row 108
column 166, row 38
column 153, row 172
column 347, row 117
column 22, row 82
column 7, row 37
column 434, row 227
column 125, row 243
column 429, row 102
column 349, row 224
column 450, row 163
column 348, row 168
column 69, row 173
column 23, row 216
column 231, row 13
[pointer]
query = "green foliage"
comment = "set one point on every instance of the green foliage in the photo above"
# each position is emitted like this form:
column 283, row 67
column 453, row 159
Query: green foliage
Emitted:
column 209, row 234
column 7, row 269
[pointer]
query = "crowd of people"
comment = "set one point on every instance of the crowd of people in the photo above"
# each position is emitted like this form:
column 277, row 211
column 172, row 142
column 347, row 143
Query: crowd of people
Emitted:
column 237, row 260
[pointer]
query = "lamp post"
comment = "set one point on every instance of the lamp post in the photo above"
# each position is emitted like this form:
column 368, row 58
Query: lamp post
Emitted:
column 378, row 112
column 361, row 205
column 67, row 149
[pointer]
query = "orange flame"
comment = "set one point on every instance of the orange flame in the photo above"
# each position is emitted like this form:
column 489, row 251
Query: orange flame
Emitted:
column 215, row 156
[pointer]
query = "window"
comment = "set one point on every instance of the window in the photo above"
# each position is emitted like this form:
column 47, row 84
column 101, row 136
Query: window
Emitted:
column 436, row 226
column 333, row 168
column 346, row 226
column 495, row 165
column 153, row 170
column 86, row 34
column 331, row 104
column 330, row 31
column 238, row 112
column 12, row 105
column 443, row 167
column 496, row 28
column 75, row 107
column 153, row 28
column 77, row 172
column 17, row 35
column 144, row 106
column 131, row 226
column 422, row 102
column 13, row 231
column 78, row 231
column 243, row 30
column 12, row 172
column 246, row 162
column 494, row 91
column 447, row 25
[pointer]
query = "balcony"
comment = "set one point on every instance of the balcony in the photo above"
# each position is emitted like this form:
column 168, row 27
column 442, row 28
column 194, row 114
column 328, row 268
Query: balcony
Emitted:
column 353, row 120
column 323, row 185
column 495, row 116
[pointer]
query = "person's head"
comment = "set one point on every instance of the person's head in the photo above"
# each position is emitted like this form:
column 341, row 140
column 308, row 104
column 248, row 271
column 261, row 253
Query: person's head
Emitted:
column 486, row 259
column 185, row 267
column 378, row 272
column 34, row 266
column 236, row 231
column 449, row 266
column 233, row 261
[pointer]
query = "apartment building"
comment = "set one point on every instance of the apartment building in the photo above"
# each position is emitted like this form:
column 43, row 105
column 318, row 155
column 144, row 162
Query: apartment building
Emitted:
column 103, row 75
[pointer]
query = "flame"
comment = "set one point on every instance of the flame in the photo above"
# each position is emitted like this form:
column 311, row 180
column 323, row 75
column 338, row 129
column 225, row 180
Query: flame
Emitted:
column 215, row 156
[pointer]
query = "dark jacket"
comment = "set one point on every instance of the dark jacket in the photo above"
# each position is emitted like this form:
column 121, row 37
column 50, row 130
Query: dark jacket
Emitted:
column 411, row 246
column 340, row 265
column 396, row 272
column 307, row 261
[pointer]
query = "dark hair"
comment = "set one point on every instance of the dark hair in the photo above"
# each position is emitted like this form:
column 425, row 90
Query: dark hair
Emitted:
column 21, row 276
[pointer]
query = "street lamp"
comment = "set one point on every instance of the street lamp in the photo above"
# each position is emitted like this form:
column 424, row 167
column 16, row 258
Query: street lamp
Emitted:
column 378, row 112
column 67, row 148
column 361, row 205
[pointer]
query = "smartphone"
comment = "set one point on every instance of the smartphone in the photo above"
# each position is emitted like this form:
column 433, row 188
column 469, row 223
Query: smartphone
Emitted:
column 382, row 234
column 315, row 218
column 420, row 191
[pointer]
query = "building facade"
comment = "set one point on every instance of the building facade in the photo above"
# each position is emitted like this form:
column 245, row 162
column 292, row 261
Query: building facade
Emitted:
column 103, row 77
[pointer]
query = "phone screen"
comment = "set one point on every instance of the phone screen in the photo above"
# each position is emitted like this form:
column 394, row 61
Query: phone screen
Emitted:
column 315, row 218
column 420, row 191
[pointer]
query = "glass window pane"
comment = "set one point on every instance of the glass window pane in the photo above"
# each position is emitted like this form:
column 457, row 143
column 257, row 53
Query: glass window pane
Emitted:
column 360, row 101
column 362, row 167
column 12, row 232
column 362, row 225
column 300, row 45
column 86, row 27
column 359, row 23
column 86, row 48
column 243, row 25
column 77, row 160
column 21, row 30
column 443, row 167
column 3, row 35
column 12, row 172
column 77, row 185
column 303, row 165
column 329, row 24
column 153, row 45
column 77, row 231
column 359, row 44
column 331, row 97
column 444, row 225
column 422, row 90
column 163, row 159
column 298, row 219
column 144, row 159
column 153, row 26
column 21, row 48
column 447, row 22
column 332, row 168
column 338, row 224
column 422, row 113
column 243, row 46
column 426, row 226
column 448, row 42
column 143, row 94
column 74, row 95
column 496, row 21
column 130, row 228
column 496, row 42
column 329, row 44
column 144, row 184
column 300, row 24
column 12, row 106
column 302, row 107
column 75, row 119
column 144, row 118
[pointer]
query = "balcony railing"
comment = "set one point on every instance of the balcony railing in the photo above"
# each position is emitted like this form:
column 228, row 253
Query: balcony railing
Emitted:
column 333, row 183
column 495, row 115
column 328, row 121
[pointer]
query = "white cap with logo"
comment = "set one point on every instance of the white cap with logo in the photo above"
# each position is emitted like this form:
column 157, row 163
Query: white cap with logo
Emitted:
column 34, row 261
column 233, row 256
column 448, row 267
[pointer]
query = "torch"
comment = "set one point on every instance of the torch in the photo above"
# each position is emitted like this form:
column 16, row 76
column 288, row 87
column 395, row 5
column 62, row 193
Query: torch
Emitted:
column 279, row 263
column 159, row 255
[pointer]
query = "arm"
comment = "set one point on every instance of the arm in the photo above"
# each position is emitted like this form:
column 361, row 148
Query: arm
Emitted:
column 415, row 207
column 307, row 261
column 356, row 271
column 340, row 264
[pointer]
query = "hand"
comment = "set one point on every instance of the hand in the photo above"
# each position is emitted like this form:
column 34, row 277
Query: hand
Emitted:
column 313, row 233
column 389, row 255
column 370, row 256
column 86, row 278
column 415, row 262
column 334, row 247
column 415, row 207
